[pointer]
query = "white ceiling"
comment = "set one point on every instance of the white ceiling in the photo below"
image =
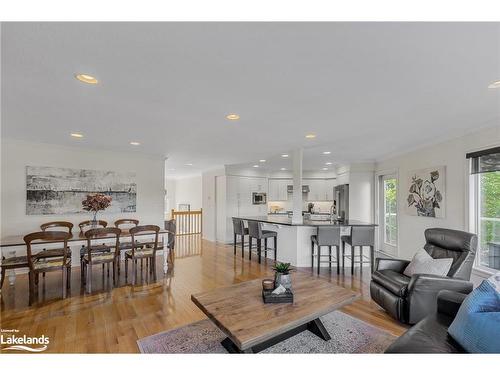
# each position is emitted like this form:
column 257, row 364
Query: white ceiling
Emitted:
column 366, row 89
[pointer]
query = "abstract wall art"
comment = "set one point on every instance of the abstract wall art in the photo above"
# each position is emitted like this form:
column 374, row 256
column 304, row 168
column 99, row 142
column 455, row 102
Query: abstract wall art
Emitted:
column 51, row 190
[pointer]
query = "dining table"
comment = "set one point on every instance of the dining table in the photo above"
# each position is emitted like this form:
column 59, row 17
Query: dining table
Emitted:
column 12, row 246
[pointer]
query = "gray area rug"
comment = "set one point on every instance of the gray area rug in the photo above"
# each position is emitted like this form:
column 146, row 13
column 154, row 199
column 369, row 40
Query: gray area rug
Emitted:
column 349, row 335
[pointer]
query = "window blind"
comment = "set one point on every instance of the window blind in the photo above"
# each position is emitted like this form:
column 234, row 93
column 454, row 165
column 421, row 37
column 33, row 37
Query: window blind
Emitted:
column 484, row 160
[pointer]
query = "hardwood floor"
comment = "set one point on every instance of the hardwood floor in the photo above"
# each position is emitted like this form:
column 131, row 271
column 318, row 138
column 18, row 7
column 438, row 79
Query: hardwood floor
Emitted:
column 110, row 320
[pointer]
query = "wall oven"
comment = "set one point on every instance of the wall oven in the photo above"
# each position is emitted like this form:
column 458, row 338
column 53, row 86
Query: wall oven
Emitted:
column 259, row 198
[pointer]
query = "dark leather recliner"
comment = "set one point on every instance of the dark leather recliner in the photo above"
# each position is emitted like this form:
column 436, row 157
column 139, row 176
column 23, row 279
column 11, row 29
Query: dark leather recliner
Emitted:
column 430, row 335
column 411, row 299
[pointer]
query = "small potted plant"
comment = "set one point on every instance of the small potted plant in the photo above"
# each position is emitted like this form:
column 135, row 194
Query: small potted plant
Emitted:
column 95, row 203
column 282, row 275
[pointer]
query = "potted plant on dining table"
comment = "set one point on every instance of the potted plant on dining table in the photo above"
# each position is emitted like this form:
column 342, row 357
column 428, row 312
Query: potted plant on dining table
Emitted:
column 95, row 203
column 282, row 275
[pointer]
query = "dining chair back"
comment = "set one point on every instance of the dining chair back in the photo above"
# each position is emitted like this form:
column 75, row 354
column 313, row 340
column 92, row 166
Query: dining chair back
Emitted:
column 84, row 225
column 57, row 224
column 100, row 257
column 147, row 253
column 41, row 265
column 122, row 222
column 100, row 233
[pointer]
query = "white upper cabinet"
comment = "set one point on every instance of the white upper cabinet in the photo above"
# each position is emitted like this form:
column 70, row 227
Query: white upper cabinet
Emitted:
column 319, row 189
column 278, row 189
column 316, row 189
column 274, row 186
column 329, row 186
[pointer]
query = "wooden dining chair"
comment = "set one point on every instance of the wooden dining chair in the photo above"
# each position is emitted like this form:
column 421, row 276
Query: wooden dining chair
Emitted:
column 102, row 248
column 88, row 224
column 145, row 253
column 39, row 265
column 58, row 225
column 125, row 225
column 92, row 258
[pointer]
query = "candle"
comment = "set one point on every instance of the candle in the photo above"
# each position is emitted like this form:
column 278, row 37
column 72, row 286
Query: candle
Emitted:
column 268, row 284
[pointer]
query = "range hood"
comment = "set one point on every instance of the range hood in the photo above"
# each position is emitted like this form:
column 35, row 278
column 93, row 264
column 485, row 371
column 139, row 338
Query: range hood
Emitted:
column 305, row 189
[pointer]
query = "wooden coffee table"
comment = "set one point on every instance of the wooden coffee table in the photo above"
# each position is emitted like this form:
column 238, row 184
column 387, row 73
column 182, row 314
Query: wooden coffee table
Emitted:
column 252, row 326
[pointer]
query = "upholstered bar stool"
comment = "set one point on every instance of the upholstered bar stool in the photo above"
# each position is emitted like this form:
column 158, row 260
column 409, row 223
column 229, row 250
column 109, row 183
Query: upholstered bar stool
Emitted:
column 255, row 231
column 239, row 230
column 326, row 236
column 360, row 236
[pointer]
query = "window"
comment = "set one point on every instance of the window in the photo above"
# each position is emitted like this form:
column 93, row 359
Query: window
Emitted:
column 485, row 206
column 390, row 212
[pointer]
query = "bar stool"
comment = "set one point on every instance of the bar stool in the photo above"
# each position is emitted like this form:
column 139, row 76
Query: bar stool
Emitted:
column 255, row 231
column 326, row 236
column 360, row 236
column 240, row 230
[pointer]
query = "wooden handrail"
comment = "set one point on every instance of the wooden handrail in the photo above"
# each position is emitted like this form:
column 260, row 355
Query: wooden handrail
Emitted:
column 188, row 222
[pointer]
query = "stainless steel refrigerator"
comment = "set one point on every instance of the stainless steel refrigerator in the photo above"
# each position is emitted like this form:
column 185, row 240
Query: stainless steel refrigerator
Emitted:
column 341, row 194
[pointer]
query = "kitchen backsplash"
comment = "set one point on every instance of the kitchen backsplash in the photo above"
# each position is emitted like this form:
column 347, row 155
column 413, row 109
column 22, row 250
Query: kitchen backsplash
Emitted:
column 283, row 206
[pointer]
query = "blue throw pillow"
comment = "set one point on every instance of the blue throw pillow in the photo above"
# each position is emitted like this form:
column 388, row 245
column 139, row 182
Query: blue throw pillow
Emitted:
column 477, row 324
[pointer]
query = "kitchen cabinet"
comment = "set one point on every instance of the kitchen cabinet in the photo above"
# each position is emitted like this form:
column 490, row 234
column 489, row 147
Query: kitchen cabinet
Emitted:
column 329, row 186
column 278, row 189
column 320, row 189
column 316, row 189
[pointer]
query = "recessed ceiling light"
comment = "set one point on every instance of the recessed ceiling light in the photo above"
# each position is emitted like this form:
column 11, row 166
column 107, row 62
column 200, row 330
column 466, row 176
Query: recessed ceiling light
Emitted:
column 77, row 135
column 86, row 78
column 189, row 164
column 325, row 169
column 284, row 155
column 262, row 160
column 494, row 85
column 256, row 166
column 233, row 117
column 283, row 169
column 310, row 136
column 328, row 163
column 135, row 143
column 327, row 152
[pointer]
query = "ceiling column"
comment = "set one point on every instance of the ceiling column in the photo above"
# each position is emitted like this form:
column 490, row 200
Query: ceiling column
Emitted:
column 297, row 186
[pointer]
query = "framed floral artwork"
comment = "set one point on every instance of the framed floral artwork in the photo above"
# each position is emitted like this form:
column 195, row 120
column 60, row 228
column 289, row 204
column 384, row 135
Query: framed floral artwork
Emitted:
column 426, row 195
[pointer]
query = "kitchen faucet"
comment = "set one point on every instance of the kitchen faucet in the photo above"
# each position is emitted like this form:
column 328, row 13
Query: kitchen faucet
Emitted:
column 332, row 212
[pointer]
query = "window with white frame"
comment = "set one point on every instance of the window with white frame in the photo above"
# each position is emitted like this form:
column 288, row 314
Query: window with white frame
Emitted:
column 485, row 206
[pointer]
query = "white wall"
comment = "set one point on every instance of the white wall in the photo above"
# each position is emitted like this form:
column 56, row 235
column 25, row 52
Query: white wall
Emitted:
column 16, row 155
column 361, row 196
column 208, row 202
column 452, row 155
column 185, row 190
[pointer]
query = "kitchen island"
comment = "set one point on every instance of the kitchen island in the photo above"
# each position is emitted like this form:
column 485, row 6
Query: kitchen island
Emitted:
column 294, row 239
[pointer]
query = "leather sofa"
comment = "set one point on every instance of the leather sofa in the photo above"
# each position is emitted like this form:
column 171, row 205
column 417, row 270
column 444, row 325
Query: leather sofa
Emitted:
column 430, row 335
column 410, row 299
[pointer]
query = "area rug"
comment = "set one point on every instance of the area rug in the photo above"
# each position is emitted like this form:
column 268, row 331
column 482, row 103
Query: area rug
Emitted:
column 349, row 335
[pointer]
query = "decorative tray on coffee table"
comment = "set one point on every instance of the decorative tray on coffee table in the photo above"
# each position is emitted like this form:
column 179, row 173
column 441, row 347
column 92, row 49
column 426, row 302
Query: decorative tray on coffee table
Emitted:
column 269, row 297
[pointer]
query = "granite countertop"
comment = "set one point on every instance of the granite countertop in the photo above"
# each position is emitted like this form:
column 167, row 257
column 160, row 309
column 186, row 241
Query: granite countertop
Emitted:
column 307, row 223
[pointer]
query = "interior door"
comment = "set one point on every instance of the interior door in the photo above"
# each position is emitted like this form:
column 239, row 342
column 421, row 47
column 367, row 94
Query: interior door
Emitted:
column 388, row 214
